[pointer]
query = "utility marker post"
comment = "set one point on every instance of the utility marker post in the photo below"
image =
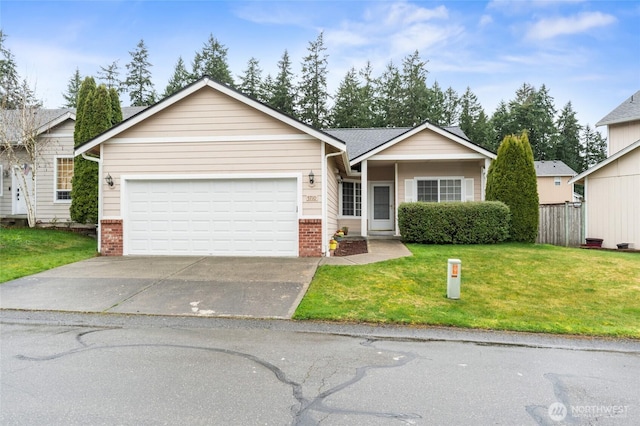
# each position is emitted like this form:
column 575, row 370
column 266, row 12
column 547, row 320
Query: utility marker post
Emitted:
column 454, row 273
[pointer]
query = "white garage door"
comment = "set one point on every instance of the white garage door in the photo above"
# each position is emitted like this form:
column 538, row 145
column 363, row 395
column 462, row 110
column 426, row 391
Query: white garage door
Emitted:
column 239, row 217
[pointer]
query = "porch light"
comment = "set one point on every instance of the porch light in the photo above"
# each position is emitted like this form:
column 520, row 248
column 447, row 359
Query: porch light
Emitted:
column 109, row 180
column 312, row 178
column 339, row 180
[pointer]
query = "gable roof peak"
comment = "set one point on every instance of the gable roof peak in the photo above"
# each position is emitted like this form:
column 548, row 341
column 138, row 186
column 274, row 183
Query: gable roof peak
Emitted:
column 629, row 110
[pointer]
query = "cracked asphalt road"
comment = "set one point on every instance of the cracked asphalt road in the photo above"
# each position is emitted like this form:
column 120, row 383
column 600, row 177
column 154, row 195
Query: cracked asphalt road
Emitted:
column 92, row 369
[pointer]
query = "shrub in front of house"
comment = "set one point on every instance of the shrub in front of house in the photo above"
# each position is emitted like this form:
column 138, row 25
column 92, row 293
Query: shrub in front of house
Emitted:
column 484, row 222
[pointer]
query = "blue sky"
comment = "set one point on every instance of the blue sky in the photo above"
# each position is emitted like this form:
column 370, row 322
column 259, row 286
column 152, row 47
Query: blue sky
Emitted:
column 587, row 52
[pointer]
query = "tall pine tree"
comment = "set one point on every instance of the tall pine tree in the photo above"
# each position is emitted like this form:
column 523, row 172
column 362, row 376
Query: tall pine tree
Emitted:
column 312, row 90
column 73, row 87
column 180, row 78
column 567, row 145
column 138, row 82
column 388, row 101
column 415, row 94
column 282, row 93
column 212, row 61
column 346, row 110
column 251, row 80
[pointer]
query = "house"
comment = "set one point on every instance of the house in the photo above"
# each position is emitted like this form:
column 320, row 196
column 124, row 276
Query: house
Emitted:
column 612, row 187
column 210, row 171
column 553, row 177
column 52, row 193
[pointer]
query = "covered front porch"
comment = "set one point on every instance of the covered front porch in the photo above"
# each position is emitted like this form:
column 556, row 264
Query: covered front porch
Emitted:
column 369, row 202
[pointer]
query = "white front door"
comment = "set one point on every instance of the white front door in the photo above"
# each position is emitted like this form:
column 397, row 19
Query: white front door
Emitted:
column 381, row 213
column 18, row 194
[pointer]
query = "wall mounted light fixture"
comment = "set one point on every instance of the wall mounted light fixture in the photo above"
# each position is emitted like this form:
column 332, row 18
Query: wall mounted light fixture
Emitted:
column 109, row 180
column 312, row 178
column 339, row 180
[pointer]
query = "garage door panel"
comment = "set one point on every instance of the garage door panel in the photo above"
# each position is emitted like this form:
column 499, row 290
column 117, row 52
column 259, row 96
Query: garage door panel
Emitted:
column 253, row 217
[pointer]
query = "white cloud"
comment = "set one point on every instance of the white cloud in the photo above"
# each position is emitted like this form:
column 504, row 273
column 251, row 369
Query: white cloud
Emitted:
column 552, row 27
column 485, row 20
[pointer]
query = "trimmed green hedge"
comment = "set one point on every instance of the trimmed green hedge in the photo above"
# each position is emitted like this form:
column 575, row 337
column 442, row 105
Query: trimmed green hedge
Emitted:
column 454, row 223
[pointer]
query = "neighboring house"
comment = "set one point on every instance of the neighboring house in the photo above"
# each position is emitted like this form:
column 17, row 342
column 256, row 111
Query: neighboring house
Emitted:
column 52, row 192
column 210, row 171
column 553, row 177
column 612, row 187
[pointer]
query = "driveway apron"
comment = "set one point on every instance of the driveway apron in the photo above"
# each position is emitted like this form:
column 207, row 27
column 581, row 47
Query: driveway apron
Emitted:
column 198, row 286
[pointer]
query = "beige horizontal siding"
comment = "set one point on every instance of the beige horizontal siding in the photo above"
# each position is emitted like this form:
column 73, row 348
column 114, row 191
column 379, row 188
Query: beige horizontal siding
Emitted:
column 208, row 113
column 613, row 202
column 623, row 135
column 210, row 158
column 549, row 193
column 427, row 143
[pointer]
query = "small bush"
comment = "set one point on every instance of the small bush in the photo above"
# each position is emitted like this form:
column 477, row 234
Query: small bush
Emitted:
column 454, row 223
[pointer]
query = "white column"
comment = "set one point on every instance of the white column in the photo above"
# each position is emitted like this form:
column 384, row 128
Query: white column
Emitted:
column 397, row 197
column 364, row 213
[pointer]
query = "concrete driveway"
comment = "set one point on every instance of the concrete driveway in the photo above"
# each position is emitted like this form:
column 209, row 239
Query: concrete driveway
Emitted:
column 198, row 286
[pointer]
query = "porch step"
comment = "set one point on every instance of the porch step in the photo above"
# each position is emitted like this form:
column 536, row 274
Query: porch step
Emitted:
column 14, row 222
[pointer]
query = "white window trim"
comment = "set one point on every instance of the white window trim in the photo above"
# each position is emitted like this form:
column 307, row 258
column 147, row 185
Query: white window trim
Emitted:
column 342, row 216
column 55, row 179
column 557, row 181
column 439, row 178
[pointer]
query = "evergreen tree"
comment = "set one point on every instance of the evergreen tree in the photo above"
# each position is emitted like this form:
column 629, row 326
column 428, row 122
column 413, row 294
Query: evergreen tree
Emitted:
column 73, row 87
column 388, row 100
column 367, row 97
column 435, row 105
column 567, row 145
column 282, row 93
column 312, row 91
column 532, row 111
column 415, row 94
column 84, row 184
column 251, row 80
column 13, row 93
column 346, row 110
column 178, row 80
column 512, row 180
column 595, row 147
column 450, row 108
column 138, row 82
column 267, row 89
column 9, row 78
column 80, row 135
column 474, row 122
column 116, row 109
column 110, row 76
column 212, row 61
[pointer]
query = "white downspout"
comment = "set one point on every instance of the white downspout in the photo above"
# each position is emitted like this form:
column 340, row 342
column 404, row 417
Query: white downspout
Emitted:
column 325, row 189
column 99, row 161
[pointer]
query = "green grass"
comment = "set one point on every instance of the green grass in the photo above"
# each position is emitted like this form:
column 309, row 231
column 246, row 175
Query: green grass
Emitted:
column 26, row 251
column 520, row 287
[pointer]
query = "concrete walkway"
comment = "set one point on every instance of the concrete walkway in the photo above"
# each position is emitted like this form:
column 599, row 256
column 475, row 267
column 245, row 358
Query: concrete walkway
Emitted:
column 379, row 250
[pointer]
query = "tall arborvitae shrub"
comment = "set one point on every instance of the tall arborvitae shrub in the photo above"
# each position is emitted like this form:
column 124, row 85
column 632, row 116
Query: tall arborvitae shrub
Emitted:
column 93, row 117
column 512, row 180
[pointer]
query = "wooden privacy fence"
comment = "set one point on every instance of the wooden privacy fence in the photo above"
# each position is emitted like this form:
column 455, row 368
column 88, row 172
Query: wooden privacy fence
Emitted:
column 561, row 224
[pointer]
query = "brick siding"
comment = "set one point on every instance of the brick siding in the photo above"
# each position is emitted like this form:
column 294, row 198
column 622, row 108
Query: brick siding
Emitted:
column 310, row 237
column 111, row 237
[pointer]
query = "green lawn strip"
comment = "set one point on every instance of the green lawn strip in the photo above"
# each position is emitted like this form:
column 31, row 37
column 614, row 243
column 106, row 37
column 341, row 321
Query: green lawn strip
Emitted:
column 27, row 251
column 537, row 288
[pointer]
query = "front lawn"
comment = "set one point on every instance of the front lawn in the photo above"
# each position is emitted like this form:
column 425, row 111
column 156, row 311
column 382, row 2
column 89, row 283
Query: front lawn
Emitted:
column 25, row 251
column 521, row 287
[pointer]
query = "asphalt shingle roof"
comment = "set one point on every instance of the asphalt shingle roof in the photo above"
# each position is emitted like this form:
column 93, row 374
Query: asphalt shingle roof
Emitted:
column 629, row 110
column 553, row 168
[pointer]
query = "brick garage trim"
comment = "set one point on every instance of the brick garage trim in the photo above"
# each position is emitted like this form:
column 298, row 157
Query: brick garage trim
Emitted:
column 111, row 237
column 310, row 237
